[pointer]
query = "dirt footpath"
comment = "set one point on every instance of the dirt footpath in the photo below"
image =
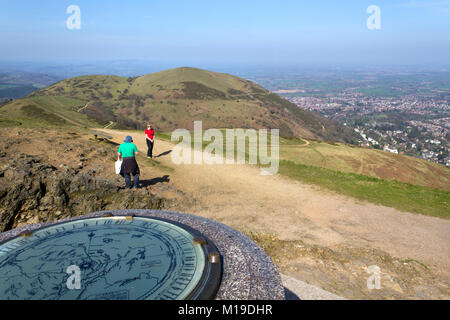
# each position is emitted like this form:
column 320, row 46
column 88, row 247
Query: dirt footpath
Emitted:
column 239, row 196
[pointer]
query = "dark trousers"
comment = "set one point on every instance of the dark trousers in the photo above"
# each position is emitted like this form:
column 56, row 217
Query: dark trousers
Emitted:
column 150, row 148
column 128, row 180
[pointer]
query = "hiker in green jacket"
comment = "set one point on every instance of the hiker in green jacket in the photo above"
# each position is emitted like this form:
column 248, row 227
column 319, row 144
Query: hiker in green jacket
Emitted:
column 128, row 152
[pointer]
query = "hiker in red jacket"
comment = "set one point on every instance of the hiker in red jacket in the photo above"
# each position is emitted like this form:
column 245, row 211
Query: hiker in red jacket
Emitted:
column 150, row 137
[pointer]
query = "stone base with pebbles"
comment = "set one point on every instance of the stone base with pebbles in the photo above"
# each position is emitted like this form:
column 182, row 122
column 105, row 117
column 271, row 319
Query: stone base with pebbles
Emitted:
column 248, row 272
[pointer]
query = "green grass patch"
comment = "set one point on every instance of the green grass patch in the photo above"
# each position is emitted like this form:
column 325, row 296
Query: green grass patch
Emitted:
column 65, row 107
column 40, row 115
column 391, row 193
column 30, row 116
column 8, row 123
column 165, row 136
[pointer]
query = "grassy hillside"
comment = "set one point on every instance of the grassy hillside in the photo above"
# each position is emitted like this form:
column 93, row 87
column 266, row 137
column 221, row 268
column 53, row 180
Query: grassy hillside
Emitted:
column 175, row 98
column 38, row 111
column 397, row 181
column 369, row 162
column 391, row 193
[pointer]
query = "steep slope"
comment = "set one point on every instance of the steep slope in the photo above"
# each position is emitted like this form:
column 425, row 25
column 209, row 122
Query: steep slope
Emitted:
column 175, row 98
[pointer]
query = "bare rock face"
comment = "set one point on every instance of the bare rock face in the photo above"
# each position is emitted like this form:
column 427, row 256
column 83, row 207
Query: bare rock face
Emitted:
column 32, row 191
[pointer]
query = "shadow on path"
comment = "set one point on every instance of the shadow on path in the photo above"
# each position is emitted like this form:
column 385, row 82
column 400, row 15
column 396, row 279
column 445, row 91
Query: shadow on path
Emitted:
column 290, row 295
column 163, row 154
column 151, row 182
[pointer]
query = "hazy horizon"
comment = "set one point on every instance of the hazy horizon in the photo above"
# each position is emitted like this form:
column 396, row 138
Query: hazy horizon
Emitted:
column 251, row 33
column 131, row 68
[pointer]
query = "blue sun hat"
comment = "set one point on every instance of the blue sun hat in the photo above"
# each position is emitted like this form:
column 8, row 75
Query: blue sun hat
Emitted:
column 128, row 139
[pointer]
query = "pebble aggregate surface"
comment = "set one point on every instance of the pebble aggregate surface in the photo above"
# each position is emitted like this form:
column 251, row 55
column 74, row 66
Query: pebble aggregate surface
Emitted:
column 248, row 272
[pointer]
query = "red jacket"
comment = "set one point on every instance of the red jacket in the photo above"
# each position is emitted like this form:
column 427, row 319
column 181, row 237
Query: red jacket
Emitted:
column 150, row 133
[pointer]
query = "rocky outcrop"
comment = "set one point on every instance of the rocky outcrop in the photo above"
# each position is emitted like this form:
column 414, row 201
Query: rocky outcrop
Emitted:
column 33, row 191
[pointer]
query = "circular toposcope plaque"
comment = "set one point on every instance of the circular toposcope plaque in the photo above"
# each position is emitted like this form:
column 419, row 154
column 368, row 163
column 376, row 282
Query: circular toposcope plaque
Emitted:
column 110, row 257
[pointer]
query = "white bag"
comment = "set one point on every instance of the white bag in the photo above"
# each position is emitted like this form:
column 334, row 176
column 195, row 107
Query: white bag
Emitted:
column 118, row 166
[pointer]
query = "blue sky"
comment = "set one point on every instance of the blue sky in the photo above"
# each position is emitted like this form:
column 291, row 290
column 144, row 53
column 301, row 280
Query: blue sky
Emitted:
column 320, row 32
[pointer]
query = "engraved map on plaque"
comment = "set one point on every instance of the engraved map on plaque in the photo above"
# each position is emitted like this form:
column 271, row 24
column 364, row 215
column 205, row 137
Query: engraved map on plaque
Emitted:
column 124, row 258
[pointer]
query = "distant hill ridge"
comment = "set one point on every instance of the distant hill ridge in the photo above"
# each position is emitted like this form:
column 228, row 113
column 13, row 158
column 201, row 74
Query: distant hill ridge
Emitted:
column 174, row 98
